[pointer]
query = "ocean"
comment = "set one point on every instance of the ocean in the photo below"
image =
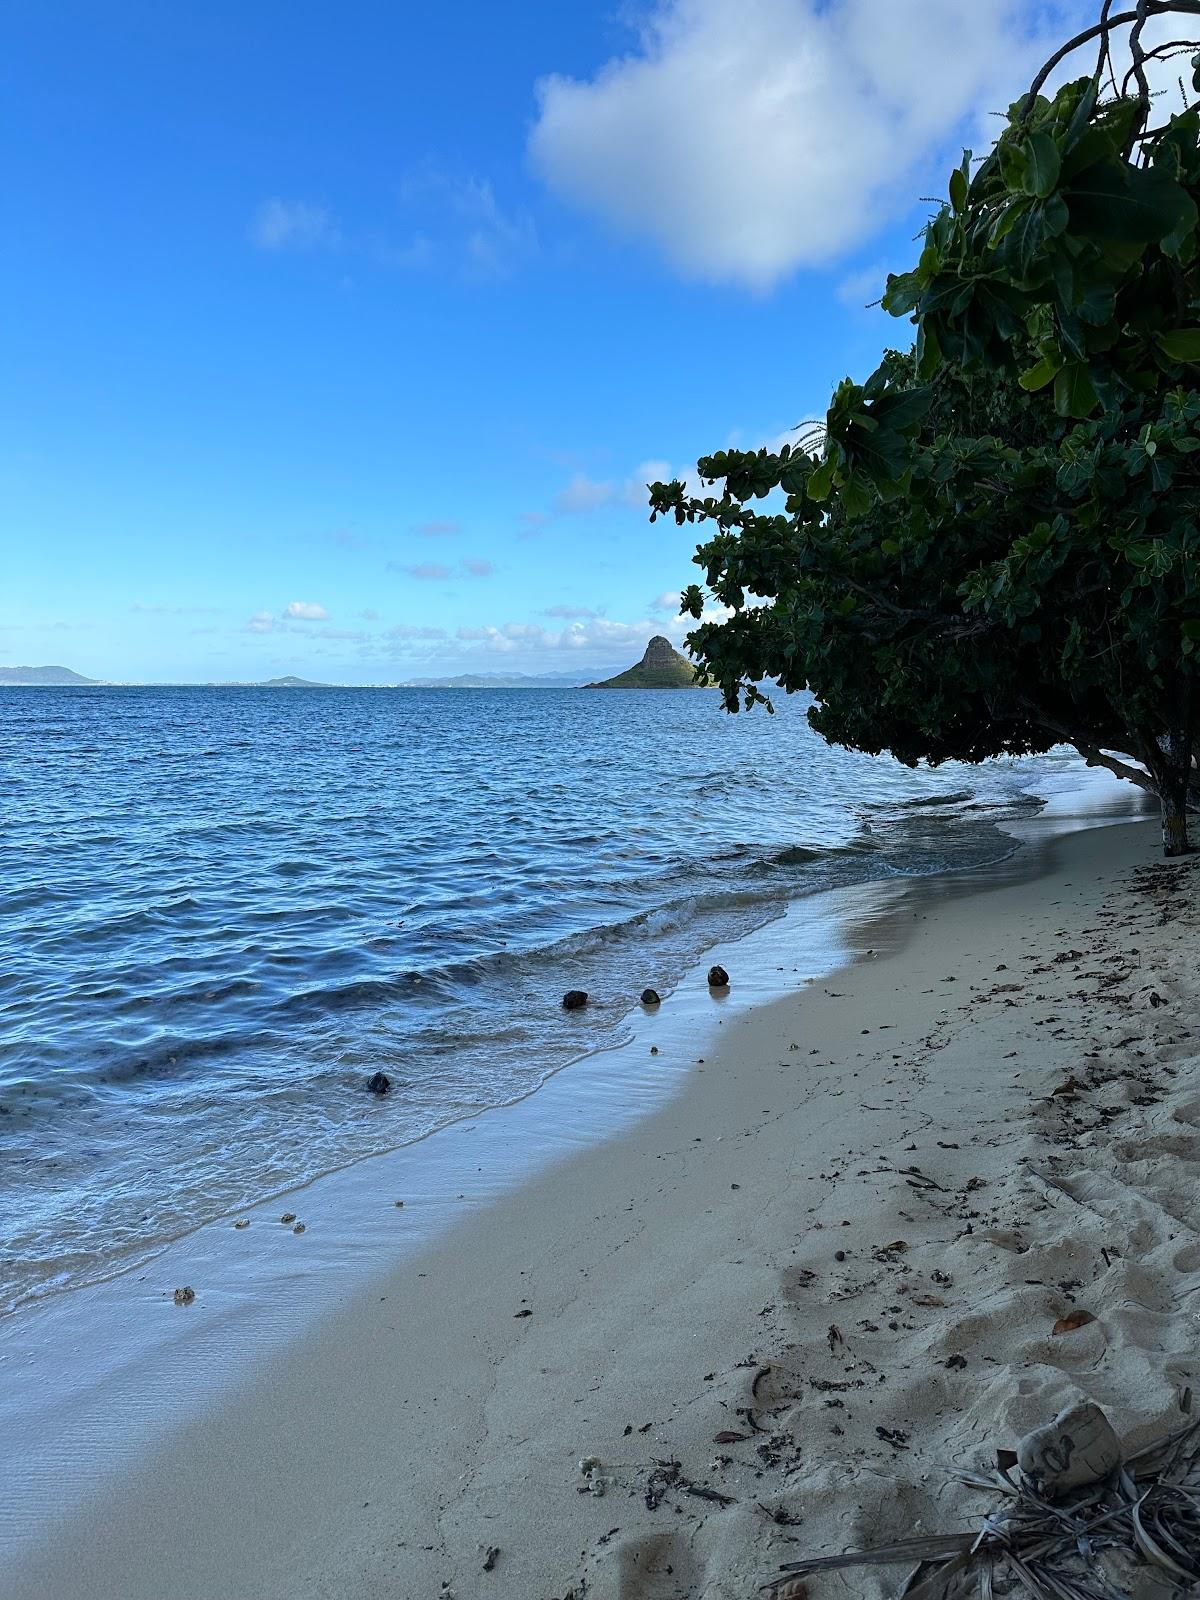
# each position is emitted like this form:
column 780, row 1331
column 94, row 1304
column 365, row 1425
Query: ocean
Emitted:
column 223, row 909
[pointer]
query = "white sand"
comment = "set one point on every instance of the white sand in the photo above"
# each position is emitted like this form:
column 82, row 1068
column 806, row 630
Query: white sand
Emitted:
column 426, row 1422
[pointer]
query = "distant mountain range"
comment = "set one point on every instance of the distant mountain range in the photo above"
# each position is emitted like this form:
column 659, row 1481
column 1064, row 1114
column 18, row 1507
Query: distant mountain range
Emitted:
column 662, row 667
column 497, row 680
column 47, row 675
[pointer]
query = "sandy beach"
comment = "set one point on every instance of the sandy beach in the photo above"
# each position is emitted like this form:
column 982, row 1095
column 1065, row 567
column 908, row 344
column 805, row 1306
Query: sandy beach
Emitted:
column 768, row 1316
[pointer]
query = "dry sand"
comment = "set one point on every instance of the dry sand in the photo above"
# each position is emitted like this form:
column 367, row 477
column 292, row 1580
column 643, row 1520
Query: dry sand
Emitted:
column 844, row 1247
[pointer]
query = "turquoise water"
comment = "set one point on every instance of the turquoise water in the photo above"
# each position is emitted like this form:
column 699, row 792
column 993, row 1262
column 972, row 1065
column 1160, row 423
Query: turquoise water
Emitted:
column 222, row 909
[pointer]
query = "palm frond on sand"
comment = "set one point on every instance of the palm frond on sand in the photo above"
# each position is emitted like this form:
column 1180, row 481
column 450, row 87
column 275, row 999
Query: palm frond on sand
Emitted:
column 1085, row 1546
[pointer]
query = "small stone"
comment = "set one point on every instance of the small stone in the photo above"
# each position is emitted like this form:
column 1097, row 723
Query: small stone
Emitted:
column 651, row 997
column 589, row 1464
column 299, row 1228
column 575, row 1000
column 288, row 1216
column 1080, row 1446
column 491, row 1558
column 242, row 1222
column 379, row 1083
column 653, row 1049
column 184, row 1297
column 398, row 1203
column 718, row 978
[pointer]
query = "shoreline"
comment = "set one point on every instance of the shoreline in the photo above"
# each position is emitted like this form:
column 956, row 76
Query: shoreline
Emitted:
column 238, row 1506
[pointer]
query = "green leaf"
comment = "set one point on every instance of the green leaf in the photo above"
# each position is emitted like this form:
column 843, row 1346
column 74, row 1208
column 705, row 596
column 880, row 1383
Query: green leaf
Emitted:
column 929, row 350
column 1115, row 202
column 1043, row 165
column 1181, row 344
column 821, row 481
column 1074, row 393
column 958, row 189
column 1039, row 375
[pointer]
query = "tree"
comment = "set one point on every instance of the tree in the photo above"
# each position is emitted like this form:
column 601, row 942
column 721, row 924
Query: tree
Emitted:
column 992, row 546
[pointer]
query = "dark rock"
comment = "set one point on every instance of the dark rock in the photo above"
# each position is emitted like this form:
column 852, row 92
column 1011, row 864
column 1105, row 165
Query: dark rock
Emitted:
column 379, row 1083
column 718, row 978
column 651, row 997
column 575, row 1000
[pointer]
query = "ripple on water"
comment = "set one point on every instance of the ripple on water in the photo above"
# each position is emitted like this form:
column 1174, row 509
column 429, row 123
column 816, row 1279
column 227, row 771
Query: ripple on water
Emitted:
column 223, row 908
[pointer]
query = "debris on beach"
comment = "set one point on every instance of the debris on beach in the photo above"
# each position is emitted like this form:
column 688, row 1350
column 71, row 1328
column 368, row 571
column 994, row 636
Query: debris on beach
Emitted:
column 575, row 1000
column 1143, row 1515
column 299, row 1228
column 1080, row 1446
column 288, row 1216
column 718, row 978
column 242, row 1222
column 651, row 997
column 378, row 1083
column 184, row 1297
column 1072, row 1322
column 491, row 1558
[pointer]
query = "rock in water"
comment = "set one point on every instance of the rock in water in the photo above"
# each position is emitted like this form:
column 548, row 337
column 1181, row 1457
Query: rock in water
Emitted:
column 718, row 978
column 184, row 1297
column 1078, row 1447
column 575, row 1000
column 651, row 997
column 379, row 1083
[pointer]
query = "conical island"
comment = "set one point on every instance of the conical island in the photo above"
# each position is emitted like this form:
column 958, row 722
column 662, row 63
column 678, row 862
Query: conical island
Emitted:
column 662, row 667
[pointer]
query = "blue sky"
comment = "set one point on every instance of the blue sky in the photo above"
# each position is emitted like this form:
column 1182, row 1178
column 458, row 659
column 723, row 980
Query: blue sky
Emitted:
column 340, row 339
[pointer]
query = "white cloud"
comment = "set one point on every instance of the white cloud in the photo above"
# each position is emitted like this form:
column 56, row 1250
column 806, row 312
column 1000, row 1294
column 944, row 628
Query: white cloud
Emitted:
column 305, row 611
column 583, row 494
column 668, row 600
column 748, row 140
column 261, row 622
column 403, row 631
column 293, row 225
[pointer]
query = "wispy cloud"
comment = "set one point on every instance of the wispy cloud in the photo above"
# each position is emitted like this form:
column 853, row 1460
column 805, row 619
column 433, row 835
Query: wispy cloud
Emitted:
column 479, row 235
column 435, row 571
column 423, row 571
column 305, row 611
column 583, row 494
column 404, row 631
column 437, row 528
column 294, row 225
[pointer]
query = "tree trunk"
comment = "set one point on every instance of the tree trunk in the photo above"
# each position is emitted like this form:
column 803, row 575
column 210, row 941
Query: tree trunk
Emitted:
column 1174, row 777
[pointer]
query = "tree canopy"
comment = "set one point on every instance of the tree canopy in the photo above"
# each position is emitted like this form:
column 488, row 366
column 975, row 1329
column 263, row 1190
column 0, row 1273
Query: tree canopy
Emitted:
column 990, row 547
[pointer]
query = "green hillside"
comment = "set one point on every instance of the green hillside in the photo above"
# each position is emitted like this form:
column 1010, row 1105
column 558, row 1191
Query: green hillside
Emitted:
column 660, row 668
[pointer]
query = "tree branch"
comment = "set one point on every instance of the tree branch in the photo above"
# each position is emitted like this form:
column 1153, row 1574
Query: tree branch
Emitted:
column 1101, row 30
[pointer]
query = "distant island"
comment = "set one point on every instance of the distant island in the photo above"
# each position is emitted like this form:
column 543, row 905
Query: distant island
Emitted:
column 290, row 683
column 662, row 667
column 59, row 676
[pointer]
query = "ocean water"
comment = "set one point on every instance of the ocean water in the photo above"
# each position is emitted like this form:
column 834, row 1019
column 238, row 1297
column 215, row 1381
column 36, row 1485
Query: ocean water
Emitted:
column 222, row 909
